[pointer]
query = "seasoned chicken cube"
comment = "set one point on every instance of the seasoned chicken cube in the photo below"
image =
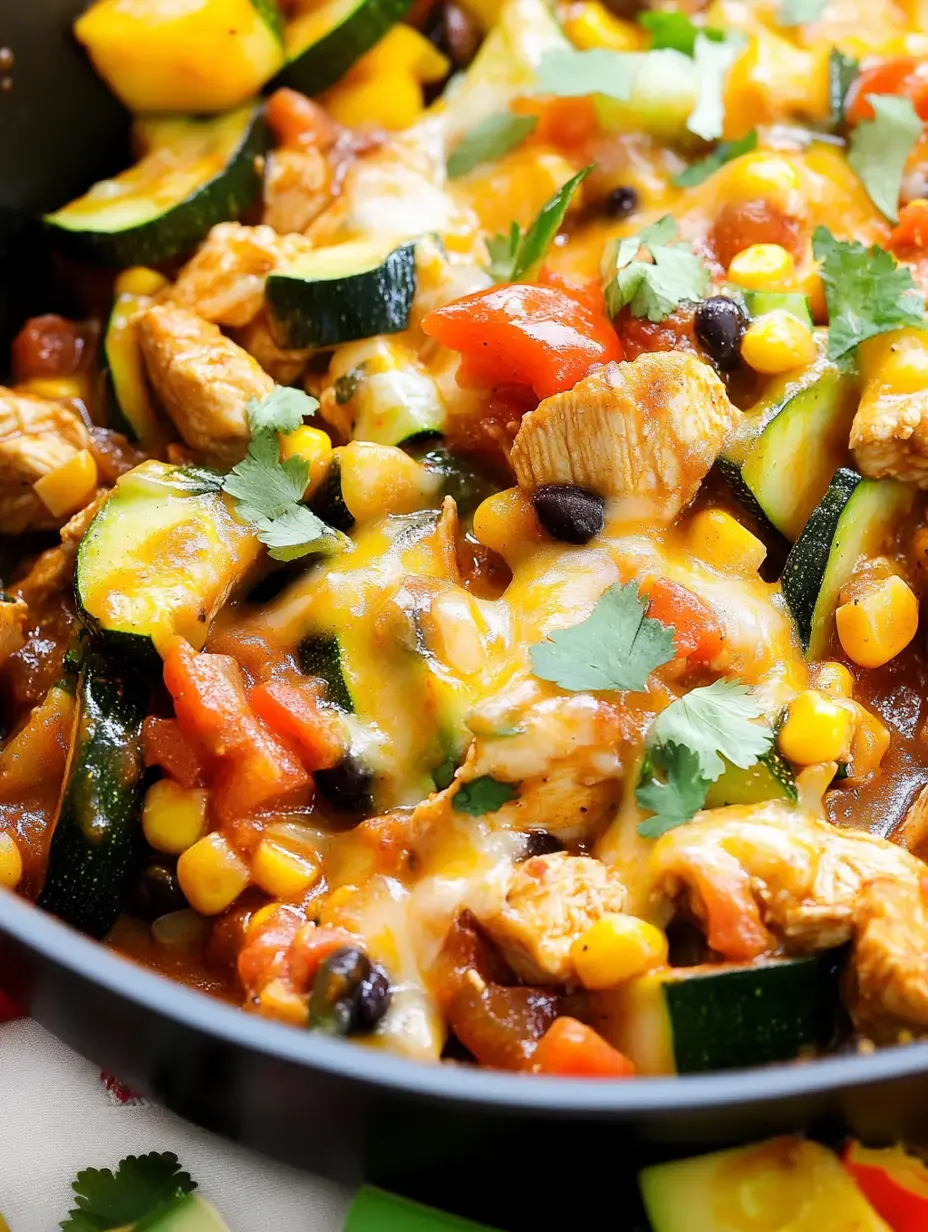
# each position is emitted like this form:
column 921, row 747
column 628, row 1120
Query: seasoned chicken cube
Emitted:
column 13, row 616
column 551, row 901
column 37, row 435
column 283, row 366
column 768, row 877
column 645, row 433
column 203, row 379
column 297, row 188
column 224, row 280
column 889, row 436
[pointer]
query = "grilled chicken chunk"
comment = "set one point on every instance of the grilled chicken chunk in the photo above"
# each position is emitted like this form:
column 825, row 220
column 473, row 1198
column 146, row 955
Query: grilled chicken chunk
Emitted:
column 645, row 433
column 37, row 435
column 768, row 877
column 297, row 188
column 889, row 435
column 203, row 379
column 550, row 902
column 13, row 617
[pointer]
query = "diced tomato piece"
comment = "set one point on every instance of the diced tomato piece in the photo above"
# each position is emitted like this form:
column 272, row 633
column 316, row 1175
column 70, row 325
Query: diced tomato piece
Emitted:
column 297, row 121
column 256, row 774
column 741, row 224
column 524, row 335
column 313, row 945
column 179, row 755
column 911, row 233
column 571, row 1049
column 296, row 713
column 209, row 697
column 565, row 122
column 47, row 346
column 894, row 1182
column 698, row 634
column 899, row 76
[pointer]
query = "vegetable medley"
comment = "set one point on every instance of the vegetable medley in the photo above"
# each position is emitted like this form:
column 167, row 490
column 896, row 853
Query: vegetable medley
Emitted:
column 462, row 565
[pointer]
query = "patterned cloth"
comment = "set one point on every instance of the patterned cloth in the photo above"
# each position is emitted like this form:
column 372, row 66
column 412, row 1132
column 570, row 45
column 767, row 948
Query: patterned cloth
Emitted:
column 58, row 1114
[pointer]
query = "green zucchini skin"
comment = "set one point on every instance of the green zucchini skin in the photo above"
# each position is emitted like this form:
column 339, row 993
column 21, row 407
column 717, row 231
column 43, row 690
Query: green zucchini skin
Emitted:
column 317, row 65
column 319, row 654
column 327, row 501
column 853, row 519
column 758, row 303
column 130, row 406
column 182, row 225
column 307, row 311
column 464, row 478
column 770, row 778
column 97, row 832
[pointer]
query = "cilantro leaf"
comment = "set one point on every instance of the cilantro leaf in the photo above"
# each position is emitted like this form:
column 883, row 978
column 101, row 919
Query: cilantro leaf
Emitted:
column 880, row 148
column 281, row 411
column 842, row 71
column 723, row 153
column 484, row 795
column 264, row 486
column 575, row 74
column 654, row 288
column 867, row 293
column 140, row 1184
column 490, row 139
column 676, row 31
column 798, row 12
column 714, row 722
column 676, row 798
column 713, row 60
column 616, row 647
column 519, row 256
column 295, row 532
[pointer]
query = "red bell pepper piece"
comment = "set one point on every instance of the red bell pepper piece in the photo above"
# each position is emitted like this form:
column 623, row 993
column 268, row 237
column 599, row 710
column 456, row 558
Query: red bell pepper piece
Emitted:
column 525, row 336
column 698, row 634
column 893, row 1182
column 295, row 712
column 898, row 76
column 571, row 1049
column 911, row 234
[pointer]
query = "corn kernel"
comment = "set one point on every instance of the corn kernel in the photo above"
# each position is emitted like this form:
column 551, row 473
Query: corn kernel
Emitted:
column 876, row 625
column 724, row 543
column 60, row 387
column 394, row 101
column 211, row 874
column 11, row 862
column 507, row 523
column 591, row 25
column 173, row 817
column 381, row 479
column 816, row 729
column 615, row 949
column 313, row 446
column 139, row 280
column 768, row 176
column 870, row 743
column 832, row 678
column 763, row 267
column 404, row 48
column 778, row 342
column 70, row 486
column 279, row 1001
column 260, row 917
column 280, row 872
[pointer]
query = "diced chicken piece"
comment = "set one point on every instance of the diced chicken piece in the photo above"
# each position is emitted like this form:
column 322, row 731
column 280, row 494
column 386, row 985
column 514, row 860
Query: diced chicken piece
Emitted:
column 889, row 436
column 551, row 901
column 297, row 188
column 644, row 433
column 49, row 575
column 769, row 877
column 37, row 435
column 203, row 379
column 224, row 280
column 284, row 367
column 13, row 616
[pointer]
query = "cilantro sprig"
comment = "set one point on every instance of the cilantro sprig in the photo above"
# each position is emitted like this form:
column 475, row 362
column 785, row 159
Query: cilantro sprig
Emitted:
column 484, row 795
column 281, row 411
column 616, row 647
column 653, row 289
column 867, row 293
column 141, row 1185
column 675, row 31
column 880, row 148
column 518, row 256
column 686, row 746
column 489, row 140
column 723, row 153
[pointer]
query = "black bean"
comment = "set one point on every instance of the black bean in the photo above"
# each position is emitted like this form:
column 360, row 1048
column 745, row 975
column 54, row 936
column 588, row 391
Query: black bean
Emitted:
column 453, row 31
column 372, row 1000
column 347, row 785
column 155, row 890
column 569, row 513
column 539, row 843
column 719, row 325
column 350, row 994
column 620, row 203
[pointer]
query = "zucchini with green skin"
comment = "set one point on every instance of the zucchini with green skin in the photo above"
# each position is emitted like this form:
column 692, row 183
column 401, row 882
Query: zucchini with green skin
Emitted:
column 160, row 558
column 463, row 477
column 759, row 303
column 97, row 829
column 770, row 778
column 339, row 294
column 327, row 501
column 781, row 460
column 689, row 1020
column 325, row 42
column 131, row 408
column 195, row 173
column 856, row 519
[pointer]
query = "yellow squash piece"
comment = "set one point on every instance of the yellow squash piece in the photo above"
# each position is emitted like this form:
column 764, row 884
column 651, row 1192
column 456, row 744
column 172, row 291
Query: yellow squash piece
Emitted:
column 183, row 55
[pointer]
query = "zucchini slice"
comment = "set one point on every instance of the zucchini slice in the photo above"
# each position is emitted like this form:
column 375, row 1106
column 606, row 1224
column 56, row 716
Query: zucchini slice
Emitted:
column 194, row 173
column 786, row 1183
column 782, row 459
column 689, row 1020
column 130, row 406
column 324, row 43
column 855, row 518
column 97, row 830
column 770, row 778
column 759, row 303
column 383, row 394
column 160, row 558
column 340, row 294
